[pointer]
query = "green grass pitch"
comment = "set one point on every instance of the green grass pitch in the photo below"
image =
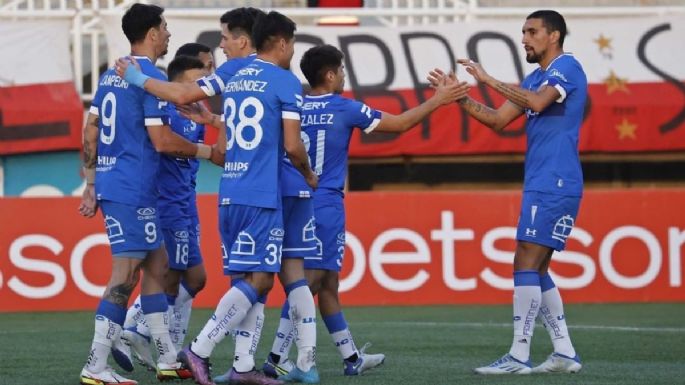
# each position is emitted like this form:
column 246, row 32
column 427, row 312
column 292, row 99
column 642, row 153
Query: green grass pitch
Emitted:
column 619, row 344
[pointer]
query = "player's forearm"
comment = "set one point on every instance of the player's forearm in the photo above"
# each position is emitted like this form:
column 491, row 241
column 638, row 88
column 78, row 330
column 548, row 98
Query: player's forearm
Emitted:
column 481, row 113
column 298, row 157
column 414, row 116
column 177, row 93
column 90, row 143
column 517, row 95
column 175, row 145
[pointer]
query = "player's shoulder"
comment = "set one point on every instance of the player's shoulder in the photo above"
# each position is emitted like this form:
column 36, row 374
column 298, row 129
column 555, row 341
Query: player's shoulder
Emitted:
column 566, row 62
column 149, row 69
column 231, row 66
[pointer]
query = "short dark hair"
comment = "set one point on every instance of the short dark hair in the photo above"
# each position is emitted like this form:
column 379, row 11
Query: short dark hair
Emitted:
column 270, row 26
column 192, row 49
column 138, row 20
column 241, row 20
column 182, row 63
column 317, row 61
column 553, row 21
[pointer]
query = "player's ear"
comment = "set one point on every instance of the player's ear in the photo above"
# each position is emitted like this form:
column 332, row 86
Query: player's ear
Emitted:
column 554, row 36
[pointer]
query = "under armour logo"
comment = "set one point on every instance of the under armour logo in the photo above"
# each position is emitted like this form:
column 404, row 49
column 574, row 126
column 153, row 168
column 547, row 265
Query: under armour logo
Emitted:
column 530, row 232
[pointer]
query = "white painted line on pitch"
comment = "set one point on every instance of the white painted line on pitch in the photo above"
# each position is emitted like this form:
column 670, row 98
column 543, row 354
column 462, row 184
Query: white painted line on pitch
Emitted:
column 508, row 325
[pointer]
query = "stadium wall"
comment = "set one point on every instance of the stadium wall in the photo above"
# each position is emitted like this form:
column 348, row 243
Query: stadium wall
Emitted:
column 404, row 248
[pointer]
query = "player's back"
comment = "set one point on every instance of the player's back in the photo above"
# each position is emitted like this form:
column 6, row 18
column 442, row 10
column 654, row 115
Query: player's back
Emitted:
column 127, row 162
column 256, row 100
column 328, row 122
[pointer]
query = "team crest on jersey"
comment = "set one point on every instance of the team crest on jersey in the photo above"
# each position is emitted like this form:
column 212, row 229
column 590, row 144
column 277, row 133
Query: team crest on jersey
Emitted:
column 181, row 235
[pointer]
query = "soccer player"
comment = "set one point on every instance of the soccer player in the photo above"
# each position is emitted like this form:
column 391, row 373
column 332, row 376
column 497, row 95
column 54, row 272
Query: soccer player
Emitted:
column 553, row 99
column 179, row 219
column 262, row 113
column 124, row 133
column 328, row 121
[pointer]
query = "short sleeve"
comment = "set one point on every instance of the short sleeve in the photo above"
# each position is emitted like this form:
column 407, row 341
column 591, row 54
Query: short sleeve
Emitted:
column 362, row 116
column 290, row 96
column 211, row 85
column 560, row 75
column 96, row 103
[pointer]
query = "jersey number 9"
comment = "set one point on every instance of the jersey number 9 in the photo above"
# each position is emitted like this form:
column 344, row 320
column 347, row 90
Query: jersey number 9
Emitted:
column 108, row 113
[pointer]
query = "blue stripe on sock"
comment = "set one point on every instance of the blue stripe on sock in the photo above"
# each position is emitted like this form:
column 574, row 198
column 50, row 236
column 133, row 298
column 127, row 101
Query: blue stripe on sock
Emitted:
column 111, row 311
column 285, row 309
column 295, row 285
column 335, row 323
column 526, row 278
column 248, row 290
column 154, row 303
column 190, row 291
column 546, row 282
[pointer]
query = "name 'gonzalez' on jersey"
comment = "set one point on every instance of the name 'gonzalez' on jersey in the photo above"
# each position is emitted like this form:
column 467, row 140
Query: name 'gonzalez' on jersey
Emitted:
column 327, row 125
column 126, row 171
column 256, row 100
column 552, row 162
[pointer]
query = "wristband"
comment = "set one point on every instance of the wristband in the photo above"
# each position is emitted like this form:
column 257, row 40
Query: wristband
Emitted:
column 134, row 76
column 203, row 151
column 89, row 173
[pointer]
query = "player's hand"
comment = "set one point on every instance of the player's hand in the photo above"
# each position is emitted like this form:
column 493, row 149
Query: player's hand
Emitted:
column 129, row 69
column 196, row 112
column 475, row 69
column 312, row 180
column 122, row 63
column 217, row 157
column 448, row 90
column 89, row 205
column 437, row 75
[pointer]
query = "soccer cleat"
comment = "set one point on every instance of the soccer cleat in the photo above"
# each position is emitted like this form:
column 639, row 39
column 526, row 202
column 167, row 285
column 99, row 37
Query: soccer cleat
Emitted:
column 140, row 347
column 105, row 377
column 505, row 365
column 364, row 362
column 198, row 366
column 297, row 375
column 275, row 370
column 559, row 363
column 174, row 371
column 121, row 353
column 253, row 377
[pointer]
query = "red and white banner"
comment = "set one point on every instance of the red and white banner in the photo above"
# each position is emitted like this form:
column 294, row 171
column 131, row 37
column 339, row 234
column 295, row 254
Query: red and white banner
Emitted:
column 634, row 67
column 439, row 248
column 40, row 109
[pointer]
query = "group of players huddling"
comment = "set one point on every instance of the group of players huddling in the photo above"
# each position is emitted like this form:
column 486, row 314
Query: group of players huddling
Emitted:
column 281, row 210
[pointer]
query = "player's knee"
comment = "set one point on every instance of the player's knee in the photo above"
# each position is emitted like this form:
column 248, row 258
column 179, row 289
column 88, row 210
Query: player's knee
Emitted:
column 261, row 282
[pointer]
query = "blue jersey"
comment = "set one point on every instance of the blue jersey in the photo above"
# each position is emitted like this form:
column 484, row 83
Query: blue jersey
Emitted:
column 214, row 84
column 552, row 162
column 199, row 137
column 127, row 163
column 327, row 125
column 256, row 100
column 176, row 175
